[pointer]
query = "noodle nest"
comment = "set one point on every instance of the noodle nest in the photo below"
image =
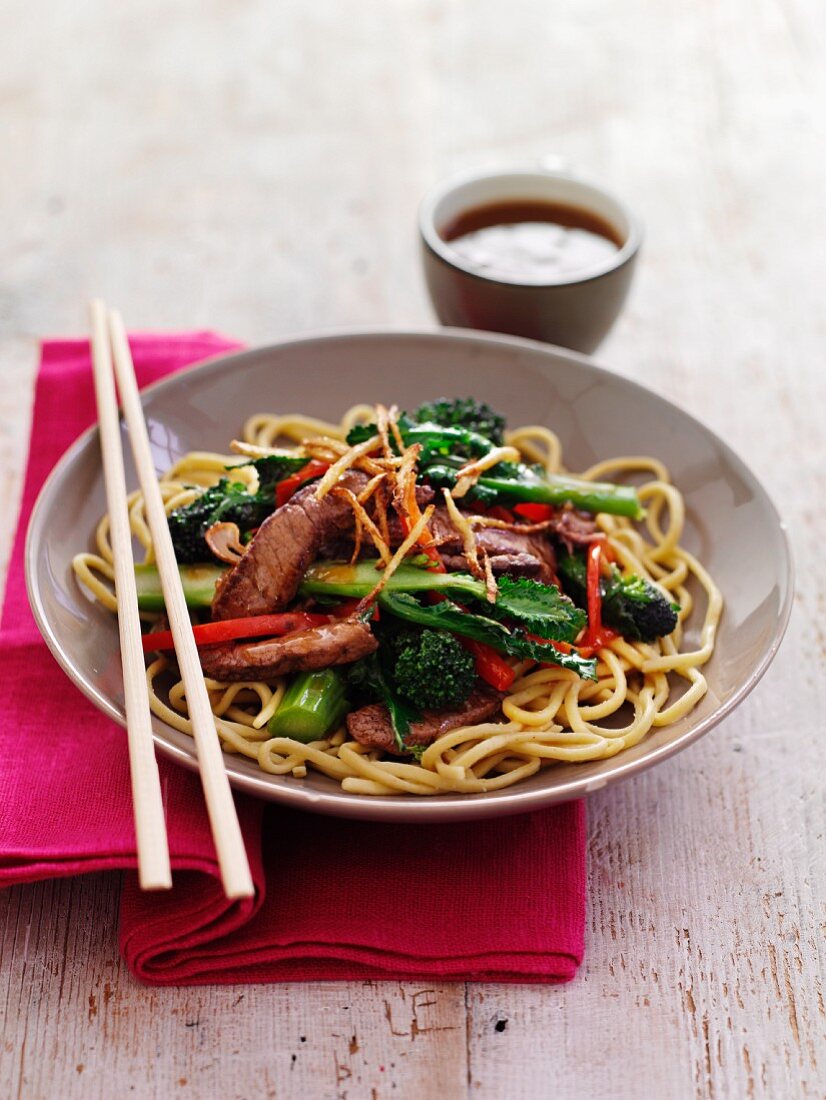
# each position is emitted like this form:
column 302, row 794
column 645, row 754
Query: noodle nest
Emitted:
column 550, row 714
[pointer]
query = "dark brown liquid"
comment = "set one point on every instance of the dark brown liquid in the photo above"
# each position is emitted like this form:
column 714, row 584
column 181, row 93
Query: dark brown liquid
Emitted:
column 540, row 241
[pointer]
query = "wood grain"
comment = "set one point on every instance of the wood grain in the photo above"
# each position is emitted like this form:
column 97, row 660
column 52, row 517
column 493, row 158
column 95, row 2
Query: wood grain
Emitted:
column 260, row 171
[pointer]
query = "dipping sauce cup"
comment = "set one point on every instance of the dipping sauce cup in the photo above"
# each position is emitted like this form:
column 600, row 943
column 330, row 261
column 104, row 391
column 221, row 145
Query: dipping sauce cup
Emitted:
column 481, row 274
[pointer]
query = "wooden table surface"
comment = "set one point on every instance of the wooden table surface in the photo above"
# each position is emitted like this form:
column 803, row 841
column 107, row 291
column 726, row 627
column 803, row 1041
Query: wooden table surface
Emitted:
column 255, row 168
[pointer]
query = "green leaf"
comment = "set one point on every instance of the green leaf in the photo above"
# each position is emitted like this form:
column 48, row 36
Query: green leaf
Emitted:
column 447, row 615
column 435, row 439
column 464, row 412
column 360, row 433
column 540, row 608
column 367, row 677
column 274, row 468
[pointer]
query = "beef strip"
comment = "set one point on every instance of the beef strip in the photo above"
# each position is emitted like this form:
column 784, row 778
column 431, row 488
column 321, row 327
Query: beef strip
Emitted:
column 530, row 555
column 574, row 528
column 338, row 643
column 268, row 575
column 514, row 565
column 340, row 548
column 371, row 725
column 514, row 552
column 511, row 552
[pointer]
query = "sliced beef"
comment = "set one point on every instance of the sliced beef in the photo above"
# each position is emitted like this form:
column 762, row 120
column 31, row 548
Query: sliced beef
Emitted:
column 341, row 547
column 511, row 552
column 371, row 725
column 268, row 575
column 519, row 555
column 320, row 647
column 425, row 494
column 574, row 528
column 514, row 565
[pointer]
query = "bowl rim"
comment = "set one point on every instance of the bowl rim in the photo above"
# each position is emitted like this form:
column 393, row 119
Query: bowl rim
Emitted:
column 441, row 249
column 451, row 806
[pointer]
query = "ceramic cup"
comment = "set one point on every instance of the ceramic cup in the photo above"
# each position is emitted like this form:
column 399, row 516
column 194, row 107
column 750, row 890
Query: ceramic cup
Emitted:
column 574, row 310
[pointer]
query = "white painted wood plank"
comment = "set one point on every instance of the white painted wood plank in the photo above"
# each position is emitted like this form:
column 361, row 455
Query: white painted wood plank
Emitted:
column 77, row 1025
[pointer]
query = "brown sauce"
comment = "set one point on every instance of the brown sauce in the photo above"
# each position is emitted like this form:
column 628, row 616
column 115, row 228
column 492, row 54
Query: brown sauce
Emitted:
column 540, row 241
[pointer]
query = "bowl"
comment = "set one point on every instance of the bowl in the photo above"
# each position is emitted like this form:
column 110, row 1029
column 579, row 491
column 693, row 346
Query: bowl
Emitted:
column 576, row 310
column 731, row 523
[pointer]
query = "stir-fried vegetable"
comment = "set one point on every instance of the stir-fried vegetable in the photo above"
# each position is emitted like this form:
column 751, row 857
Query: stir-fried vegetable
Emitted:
column 492, row 668
column 230, row 630
column 540, row 608
column 511, row 482
column 369, row 681
column 198, row 582
column 431, row 669
column 313, row 705
column 452, row 426
column 513, row 641
column 450, row 432
column 436, row 440
column 631, row 605
column 230, row 502
column 463, row 412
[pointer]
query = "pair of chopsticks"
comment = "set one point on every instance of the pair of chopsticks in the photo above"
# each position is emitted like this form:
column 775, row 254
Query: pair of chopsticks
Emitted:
column 109, row 342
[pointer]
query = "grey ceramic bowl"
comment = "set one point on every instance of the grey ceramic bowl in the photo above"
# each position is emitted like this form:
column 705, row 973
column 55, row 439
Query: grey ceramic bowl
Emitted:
column 576, row 311
column 732, row 524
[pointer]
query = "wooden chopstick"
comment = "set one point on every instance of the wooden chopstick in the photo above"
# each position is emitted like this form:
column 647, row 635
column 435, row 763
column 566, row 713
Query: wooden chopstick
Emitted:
column 226, row 832
column 154, row 872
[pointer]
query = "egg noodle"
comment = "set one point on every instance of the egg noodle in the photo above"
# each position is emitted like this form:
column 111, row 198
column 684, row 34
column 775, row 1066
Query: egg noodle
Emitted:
column 550, row 714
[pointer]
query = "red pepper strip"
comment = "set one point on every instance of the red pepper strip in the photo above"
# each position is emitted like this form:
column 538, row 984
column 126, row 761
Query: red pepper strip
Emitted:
column 596, row 636
column 349, row 607
column 605, row 638
column 563, row 647
column 594, row 597
column 290, row 485
column 500, row 513
column 536, row 513
column 229, row 630
column 490, row 665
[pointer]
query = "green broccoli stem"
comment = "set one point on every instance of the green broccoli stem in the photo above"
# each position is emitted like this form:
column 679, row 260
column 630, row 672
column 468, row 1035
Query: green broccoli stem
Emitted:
column 342, row 579
column 557, row 489
column 511, row 483
column 536, row 607
column 440, row 436
column 313, row 706
column 198, row 581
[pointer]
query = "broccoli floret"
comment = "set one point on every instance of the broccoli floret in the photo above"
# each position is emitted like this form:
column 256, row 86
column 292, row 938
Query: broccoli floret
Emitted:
column 226, row 502
column 631, row 605
column 431, row 669
column 638, row 610
column 229, row 502
column 463, row 412
column 274, row 468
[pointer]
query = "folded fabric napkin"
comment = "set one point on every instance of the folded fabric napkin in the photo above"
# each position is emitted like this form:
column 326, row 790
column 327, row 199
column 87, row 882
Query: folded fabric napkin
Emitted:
column 499, row 900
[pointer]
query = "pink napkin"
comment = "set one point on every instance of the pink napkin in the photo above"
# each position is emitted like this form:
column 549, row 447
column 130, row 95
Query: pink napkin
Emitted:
column 500, row 900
